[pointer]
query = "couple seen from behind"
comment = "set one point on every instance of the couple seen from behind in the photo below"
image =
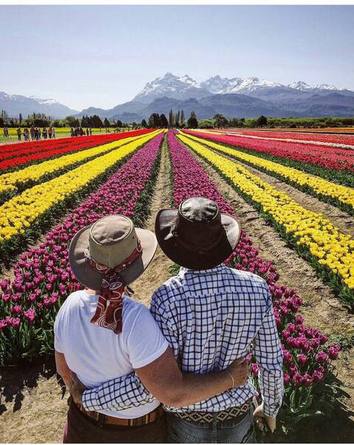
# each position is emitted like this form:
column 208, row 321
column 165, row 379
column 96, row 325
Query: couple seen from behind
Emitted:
column 177, row 372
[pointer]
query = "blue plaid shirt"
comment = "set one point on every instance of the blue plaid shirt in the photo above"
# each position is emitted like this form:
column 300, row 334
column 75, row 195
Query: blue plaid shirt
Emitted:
column 209, row 318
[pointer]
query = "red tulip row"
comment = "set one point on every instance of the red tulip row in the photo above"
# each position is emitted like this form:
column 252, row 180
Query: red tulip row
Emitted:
column 345, row 139
column 17, row 155
column 327, row 157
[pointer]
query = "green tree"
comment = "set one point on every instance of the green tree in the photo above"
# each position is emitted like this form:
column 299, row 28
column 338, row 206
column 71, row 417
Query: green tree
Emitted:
column 106, row 123
column 182, row 119
column 192, row 121
column 170, row 119
column 220, row 121
column 262, row 121
column 178, row 119
column 163, row 121
column 154, row 120
column 144, row 123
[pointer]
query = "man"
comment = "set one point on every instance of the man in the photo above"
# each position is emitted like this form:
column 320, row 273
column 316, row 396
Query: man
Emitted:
column 210, row 314
column 101, row 333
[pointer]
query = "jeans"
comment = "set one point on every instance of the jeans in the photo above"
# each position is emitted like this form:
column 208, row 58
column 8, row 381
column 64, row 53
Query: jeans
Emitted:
column 229, row 431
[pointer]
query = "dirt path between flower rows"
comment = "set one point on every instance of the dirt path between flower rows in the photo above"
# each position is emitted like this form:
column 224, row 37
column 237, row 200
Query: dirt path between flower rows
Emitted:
column 321, row 309
column 32, row 406
column 158, row 271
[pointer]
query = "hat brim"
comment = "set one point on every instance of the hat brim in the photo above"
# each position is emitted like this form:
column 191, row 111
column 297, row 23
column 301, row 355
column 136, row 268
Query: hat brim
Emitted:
column 91, row 278
column 190, row 258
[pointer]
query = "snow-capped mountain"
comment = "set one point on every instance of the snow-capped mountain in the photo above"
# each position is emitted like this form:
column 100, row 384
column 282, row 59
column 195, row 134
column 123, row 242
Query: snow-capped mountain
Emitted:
column 15, row 104
column 234, row 97
column 176, row 87
column 184, row 87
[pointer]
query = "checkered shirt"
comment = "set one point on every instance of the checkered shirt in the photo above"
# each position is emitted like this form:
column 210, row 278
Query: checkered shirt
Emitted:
column 209, row 318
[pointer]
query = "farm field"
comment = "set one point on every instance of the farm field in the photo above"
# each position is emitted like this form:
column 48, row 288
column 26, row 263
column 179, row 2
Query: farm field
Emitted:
column 292, row 193
column 61, row 132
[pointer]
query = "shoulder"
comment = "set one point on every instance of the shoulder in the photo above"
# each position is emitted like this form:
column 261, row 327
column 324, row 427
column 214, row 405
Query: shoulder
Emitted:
column 168, row 292
column 74, row 300
column 249, row 283
column 134, row 312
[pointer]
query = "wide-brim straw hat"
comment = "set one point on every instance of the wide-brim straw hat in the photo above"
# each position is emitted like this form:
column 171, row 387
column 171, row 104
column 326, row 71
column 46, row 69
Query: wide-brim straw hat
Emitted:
column 197, row 235
column 109, row 242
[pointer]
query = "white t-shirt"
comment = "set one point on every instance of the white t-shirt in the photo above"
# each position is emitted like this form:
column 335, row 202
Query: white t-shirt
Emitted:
column 97, row 354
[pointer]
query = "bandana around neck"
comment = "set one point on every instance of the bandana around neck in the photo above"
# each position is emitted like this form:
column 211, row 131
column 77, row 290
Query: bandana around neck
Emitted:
column 110, row 303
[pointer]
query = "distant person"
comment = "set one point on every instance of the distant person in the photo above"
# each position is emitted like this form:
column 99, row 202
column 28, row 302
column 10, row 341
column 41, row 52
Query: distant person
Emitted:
column 90, row 131
column 82, row 131
column 72, row 132
column 33, row 133
column 53, row 132
column 19, row 134
column 50, row 132
column 26, row 134
column 44, row 133
column 87, row 132
column 6, row 132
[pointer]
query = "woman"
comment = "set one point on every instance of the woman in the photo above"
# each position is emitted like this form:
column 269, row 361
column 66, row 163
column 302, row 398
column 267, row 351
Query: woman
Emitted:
column 102, row 333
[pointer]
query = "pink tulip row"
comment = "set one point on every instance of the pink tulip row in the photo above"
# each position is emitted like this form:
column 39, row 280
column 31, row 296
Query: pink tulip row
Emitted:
column 42, row 275
column 306, row 352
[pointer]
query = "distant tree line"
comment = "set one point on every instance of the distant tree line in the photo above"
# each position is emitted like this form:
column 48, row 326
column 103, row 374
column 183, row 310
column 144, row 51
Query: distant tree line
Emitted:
column 175, row 119
column 42, row 120
column 220, row 121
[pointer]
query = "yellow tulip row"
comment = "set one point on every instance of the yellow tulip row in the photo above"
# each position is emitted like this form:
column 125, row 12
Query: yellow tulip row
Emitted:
column 17, row 214
column 308, row 229
column 319, row 186
column 9, row 182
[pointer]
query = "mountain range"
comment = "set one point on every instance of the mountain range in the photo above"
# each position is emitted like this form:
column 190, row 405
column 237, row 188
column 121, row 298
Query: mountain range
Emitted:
column 233, row 97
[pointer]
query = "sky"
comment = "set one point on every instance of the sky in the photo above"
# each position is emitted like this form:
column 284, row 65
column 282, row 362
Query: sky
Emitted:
column 103, row 55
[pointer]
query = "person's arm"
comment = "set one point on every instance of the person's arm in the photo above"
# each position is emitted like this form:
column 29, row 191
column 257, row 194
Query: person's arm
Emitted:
column 268, row 354
column 62, row 368
column 164, row 381
column 162, row 378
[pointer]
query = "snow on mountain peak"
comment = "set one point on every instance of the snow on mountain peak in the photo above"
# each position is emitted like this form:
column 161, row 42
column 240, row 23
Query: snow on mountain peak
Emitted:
column 171, row 85
column 44, row 101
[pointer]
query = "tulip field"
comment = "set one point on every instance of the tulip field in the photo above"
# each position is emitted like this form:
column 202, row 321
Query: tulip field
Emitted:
column 51, row 189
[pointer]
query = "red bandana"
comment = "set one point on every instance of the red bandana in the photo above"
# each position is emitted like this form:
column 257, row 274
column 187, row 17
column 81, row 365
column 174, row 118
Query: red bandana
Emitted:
column 110, row 303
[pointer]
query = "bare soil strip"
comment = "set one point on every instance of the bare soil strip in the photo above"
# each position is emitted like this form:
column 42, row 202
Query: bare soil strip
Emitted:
column 37, row 412
column 157, row 272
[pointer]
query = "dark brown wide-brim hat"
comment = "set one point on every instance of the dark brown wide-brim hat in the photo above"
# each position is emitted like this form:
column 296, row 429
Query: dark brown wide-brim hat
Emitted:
column 196, row 235
column 109, row 242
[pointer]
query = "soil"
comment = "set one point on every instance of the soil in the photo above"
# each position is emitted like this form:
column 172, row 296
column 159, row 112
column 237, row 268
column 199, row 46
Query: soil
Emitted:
column 158, row 271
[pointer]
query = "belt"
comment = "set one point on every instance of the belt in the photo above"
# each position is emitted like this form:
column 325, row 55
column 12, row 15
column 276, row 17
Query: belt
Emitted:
column 103, row 419
column 210, row 417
